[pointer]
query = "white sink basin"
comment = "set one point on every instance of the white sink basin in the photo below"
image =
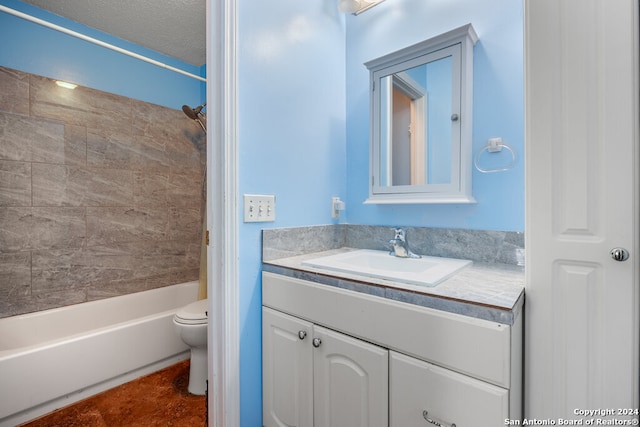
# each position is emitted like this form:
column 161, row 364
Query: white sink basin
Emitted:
column 425, row 271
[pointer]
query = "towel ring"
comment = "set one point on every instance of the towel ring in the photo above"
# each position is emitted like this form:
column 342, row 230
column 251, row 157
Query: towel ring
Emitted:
column 496, row 145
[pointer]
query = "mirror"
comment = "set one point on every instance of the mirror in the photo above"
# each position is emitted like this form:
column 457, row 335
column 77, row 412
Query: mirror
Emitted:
column 421, row 118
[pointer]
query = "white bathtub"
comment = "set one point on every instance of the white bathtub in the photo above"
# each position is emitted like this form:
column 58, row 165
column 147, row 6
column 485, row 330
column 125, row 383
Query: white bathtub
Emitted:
column 52, row 358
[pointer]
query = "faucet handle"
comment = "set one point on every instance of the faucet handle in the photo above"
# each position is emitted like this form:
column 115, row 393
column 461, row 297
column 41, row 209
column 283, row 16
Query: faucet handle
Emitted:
column 399, row 233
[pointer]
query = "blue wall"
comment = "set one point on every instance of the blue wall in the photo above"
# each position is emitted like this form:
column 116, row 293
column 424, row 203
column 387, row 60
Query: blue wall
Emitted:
column 36, row 49
column 291, row 122
column 498, row 106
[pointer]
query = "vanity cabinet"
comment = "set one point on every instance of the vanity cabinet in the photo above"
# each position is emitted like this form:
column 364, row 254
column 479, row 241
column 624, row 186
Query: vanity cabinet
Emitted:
column 315, row 376
column 381, row 362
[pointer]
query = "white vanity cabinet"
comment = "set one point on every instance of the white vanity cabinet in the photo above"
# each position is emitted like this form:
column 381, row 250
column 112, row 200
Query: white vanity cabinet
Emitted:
column 316, row 376
column 382, row 362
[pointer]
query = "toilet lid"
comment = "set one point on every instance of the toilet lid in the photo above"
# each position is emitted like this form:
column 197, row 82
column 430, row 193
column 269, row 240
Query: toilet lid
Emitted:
column 193, row 314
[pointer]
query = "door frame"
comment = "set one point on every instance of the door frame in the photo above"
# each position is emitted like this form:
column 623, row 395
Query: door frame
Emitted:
column 222, row 213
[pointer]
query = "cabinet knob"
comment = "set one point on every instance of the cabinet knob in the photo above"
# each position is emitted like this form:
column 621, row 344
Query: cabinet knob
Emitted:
column 302, row 334
column 317, row 342
column 425, row 415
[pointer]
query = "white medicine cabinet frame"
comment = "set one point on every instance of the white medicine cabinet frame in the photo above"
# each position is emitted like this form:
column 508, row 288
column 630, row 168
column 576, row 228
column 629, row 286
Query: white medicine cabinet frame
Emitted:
column 421, row 110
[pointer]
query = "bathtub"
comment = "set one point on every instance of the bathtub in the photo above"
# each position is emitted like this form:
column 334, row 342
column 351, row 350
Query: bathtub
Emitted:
column 52, row 358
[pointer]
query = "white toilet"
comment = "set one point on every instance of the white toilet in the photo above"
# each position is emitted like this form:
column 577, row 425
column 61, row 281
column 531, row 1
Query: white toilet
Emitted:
column 191, row 325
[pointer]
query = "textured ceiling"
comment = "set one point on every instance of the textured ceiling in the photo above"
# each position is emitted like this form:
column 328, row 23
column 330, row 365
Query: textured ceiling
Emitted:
column 173, row 27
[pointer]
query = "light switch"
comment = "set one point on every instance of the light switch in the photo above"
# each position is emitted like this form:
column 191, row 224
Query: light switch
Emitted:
column 259, row 208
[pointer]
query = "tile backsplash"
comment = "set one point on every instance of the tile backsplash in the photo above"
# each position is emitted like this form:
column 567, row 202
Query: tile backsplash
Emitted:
column 504, row 247
column 100, row 195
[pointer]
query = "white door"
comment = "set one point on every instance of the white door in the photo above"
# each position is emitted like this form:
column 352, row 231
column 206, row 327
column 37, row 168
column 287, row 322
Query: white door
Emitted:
column 581, row 92
column 287, row 365
column 351, row 381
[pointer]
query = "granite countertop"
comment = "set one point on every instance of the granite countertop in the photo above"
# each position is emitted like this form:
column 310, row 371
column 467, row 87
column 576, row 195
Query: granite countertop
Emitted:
column 487, row 291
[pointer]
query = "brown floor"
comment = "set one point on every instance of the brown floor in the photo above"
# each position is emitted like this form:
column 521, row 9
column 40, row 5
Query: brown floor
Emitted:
column 160, row 399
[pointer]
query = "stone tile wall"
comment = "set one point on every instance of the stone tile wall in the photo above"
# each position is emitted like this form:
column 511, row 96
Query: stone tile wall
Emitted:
column 486, row 246
column 100, row 195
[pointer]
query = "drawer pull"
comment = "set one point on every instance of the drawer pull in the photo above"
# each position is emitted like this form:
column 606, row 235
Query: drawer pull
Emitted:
column 425, row 415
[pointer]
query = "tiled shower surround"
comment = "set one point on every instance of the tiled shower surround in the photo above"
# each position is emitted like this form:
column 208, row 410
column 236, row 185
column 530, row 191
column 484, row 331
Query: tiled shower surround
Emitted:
column 100, row 195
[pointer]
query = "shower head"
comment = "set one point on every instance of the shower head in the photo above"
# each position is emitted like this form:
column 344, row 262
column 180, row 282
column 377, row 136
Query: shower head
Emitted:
column 193, row 113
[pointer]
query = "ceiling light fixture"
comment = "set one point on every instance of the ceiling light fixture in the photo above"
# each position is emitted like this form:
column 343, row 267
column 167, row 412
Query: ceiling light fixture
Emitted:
column 356, row 7
column 66, row 85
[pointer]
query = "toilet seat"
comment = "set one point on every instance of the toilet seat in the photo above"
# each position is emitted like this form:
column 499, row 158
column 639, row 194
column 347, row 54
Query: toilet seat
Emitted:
column 192, row 314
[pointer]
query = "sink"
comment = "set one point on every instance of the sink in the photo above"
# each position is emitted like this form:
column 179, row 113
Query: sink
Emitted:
column 426, row 271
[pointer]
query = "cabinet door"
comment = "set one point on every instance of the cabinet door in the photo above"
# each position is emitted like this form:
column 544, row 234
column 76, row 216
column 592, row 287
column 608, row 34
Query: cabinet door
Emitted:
column 420, row 391
column 287, row 370
column 351, row 381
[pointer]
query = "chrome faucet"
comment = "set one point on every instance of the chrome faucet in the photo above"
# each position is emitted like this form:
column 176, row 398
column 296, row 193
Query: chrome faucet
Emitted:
column 399, row 245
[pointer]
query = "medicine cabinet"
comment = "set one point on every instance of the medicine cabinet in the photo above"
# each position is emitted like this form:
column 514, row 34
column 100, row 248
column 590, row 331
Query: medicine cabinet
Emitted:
column 421, row 121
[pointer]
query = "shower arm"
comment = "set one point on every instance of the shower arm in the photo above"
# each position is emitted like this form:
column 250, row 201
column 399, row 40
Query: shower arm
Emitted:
column 201, row 125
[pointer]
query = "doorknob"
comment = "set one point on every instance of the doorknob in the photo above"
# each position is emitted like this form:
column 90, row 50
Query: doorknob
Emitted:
column 619, row 254
column 316, row 342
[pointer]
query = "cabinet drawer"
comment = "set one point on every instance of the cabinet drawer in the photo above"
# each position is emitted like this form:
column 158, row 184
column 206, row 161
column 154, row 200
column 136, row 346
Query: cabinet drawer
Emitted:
column 419, row 390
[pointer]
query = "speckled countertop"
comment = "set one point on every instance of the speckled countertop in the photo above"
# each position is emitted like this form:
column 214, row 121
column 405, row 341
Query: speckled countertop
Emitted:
column 489, row 291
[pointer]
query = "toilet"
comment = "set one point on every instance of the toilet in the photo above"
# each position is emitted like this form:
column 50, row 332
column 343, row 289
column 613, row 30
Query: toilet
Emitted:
column 191, row 324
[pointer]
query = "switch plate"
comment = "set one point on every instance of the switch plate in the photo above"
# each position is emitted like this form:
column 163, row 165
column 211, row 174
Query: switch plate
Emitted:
column 259, row 207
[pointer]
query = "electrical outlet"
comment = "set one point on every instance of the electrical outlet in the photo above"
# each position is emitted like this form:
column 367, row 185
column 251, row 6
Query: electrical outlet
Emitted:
column 259, row 208
column 337, row 205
